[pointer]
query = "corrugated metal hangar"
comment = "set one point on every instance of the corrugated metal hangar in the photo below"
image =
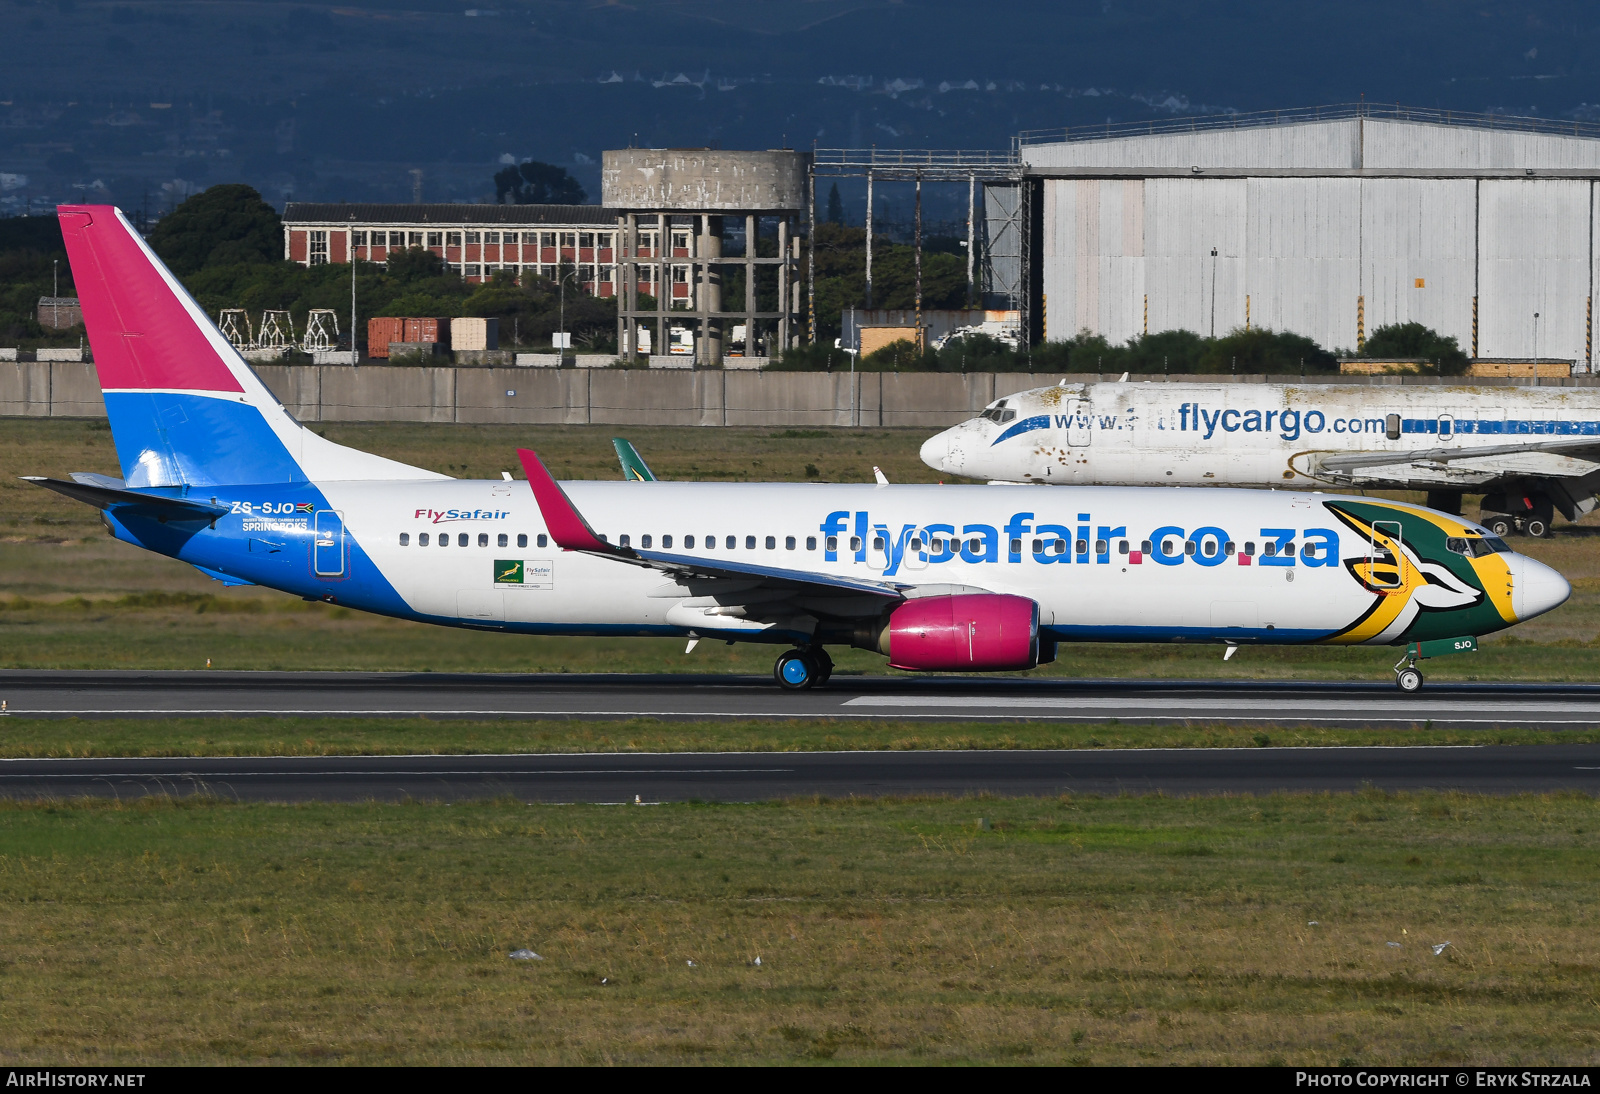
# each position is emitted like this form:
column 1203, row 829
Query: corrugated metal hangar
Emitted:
column 1328, row 223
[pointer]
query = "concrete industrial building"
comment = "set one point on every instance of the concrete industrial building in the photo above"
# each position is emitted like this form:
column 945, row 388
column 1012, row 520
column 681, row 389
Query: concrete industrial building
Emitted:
column 1327, row 222
column 700, row 197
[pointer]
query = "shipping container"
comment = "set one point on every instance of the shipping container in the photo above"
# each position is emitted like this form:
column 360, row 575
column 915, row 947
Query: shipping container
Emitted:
column 470, row 333
column 381, row 331
column 429, row 329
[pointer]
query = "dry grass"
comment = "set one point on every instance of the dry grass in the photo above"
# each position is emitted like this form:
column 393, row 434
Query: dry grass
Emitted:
column 349, row 736
column 1124, row 930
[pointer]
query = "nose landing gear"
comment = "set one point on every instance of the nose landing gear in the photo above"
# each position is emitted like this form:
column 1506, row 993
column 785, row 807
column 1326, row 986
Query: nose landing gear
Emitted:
column 799, row 669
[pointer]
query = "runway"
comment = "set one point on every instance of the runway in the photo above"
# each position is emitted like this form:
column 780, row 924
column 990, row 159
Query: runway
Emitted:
column 34, row 694
column 755, row 776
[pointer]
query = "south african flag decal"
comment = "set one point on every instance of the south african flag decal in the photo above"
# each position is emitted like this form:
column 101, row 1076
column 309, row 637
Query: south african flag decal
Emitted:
column 304, row 507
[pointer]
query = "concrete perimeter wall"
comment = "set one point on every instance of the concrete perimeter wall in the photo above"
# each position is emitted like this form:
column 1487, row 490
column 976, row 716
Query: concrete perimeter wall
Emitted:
column 383, row 393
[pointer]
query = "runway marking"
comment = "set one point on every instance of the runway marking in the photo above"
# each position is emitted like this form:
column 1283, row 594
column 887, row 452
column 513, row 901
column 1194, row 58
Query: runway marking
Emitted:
column 1021, row 702
column 429, row 773
column 1382, row 712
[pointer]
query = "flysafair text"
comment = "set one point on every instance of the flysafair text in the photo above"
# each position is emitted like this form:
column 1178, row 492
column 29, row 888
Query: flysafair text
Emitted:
column 963, row 578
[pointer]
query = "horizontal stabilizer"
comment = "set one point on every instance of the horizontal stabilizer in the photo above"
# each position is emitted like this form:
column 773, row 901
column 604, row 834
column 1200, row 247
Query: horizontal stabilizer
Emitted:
column 159, row 506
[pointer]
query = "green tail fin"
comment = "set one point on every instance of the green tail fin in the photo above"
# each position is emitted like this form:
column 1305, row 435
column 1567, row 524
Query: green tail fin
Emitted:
column 634, row 469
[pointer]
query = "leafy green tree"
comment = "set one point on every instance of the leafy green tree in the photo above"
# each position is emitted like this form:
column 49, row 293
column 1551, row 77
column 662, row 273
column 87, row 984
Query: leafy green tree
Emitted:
column 835, row 207
column 535, row 183
column 1415, row 340
column 414, row 264
column 223, row 226
column 1267, row 351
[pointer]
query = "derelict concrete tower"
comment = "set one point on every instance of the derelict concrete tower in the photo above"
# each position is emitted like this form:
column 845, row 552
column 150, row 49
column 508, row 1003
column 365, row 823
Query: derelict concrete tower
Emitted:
column 675, row 206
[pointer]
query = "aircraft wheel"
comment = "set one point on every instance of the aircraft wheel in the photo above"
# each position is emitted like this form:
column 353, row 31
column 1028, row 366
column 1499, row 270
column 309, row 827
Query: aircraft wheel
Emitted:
column 795, row 670
column 824, row 664
column 1500, row 526
column 1408, row 680
column 1537, row 528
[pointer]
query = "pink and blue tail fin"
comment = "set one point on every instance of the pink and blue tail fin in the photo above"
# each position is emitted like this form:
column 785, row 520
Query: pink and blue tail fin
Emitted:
column 185, row 408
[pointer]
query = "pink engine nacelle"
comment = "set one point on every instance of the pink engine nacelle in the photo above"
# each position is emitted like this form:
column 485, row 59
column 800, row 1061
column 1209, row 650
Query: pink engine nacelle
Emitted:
column 971, row 632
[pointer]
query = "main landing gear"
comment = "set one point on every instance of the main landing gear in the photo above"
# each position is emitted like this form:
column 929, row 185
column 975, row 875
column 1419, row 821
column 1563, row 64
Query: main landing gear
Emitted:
column 799, row 669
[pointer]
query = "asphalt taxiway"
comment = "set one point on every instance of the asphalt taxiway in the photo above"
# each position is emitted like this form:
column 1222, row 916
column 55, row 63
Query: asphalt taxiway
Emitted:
column 755, row 776
column 610, row 696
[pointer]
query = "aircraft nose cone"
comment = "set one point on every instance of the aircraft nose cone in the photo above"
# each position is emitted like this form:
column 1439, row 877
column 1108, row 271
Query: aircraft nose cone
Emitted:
column 1536, row 588
column 936, row 452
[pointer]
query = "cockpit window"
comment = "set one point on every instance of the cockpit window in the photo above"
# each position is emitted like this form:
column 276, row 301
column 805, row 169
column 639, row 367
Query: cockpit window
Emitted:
column 1476, row 547
column 999, row 414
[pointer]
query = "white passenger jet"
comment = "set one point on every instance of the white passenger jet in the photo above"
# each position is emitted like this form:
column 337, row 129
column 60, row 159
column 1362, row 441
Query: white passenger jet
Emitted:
column 216, row 473
column 1530, row 451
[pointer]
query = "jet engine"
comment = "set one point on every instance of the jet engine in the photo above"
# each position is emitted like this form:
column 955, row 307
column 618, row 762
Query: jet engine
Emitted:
column 968, row 632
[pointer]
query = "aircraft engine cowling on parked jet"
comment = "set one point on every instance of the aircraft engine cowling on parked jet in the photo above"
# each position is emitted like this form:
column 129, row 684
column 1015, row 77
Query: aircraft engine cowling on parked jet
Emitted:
column 970, row 632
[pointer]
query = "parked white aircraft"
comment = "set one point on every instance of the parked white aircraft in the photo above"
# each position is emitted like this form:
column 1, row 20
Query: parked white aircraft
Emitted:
column 216, row 473
column 1530, row 451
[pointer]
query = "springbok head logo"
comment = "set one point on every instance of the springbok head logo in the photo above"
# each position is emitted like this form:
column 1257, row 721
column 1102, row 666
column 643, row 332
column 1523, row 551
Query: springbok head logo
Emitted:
column 1404, row 580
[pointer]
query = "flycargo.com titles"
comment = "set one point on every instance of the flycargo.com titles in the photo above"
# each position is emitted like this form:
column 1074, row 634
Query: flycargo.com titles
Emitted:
column 73, row 1078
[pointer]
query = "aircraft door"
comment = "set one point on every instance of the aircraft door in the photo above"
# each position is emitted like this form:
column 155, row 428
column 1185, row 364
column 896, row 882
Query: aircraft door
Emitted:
column 915, row 557
column 1078, row 422
column 327, row 550
column 1385, row 561
column 878, row 548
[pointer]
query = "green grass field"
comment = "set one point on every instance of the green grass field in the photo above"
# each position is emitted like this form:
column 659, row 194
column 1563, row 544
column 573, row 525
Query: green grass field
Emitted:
column 1106, row 931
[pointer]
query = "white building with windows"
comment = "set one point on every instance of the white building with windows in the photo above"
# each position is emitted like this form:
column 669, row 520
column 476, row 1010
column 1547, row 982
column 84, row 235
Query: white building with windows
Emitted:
column 476, row 241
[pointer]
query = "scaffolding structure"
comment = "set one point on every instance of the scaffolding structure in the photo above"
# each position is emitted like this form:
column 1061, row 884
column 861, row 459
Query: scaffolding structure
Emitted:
column 1008, row 210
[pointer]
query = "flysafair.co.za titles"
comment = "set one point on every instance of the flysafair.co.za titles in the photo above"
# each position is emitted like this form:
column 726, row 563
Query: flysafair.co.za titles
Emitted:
column 216, row 473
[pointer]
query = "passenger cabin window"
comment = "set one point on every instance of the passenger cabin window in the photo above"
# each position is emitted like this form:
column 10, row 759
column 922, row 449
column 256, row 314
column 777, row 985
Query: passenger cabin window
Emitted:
column 833, row 543
column 502, row 540
column 855, row 542
column 1083, row 546
column 1391, row 427
column 788, row 543
column 1102, row 547
column 772, row 543
column 483, row 539
column 666, row 543
column 1144, row 546
column 749, row 543
column 405, row 539
column 422, row 539
column 645, row 542
column 1250, row 547
column 732, row 542
column 1188, row 546
column 622, row 540
column 688, row 543
column 461, row 540
column 877, row 543
column 1270, row 550
column 1229, row 548
column 811, row 543
column 1122, row 546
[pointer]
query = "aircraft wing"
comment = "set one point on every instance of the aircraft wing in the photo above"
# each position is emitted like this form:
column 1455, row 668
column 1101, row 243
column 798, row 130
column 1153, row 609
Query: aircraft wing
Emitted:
column 1557, row 457
column 572, row 533
column 634, row 469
